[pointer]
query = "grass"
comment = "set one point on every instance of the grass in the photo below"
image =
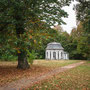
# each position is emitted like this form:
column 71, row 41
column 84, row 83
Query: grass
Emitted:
column 9, row 72
column 74, row 79
column 54, row 63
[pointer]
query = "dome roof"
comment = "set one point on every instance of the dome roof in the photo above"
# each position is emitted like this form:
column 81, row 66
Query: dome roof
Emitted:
column 54, row 45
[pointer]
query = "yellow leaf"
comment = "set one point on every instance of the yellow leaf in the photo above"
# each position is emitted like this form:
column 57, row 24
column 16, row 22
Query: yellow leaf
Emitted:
column 18, row 51
column 34, row 41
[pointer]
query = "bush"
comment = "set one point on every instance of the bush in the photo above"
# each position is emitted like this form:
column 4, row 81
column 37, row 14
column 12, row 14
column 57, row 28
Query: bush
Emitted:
column 8, row 55
column 31, row 56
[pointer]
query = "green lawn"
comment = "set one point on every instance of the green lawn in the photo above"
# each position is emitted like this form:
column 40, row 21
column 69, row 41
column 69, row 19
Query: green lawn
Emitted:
column 54, row 63
column 74, row 79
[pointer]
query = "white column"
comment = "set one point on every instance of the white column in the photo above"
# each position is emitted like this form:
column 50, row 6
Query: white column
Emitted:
column 46, row 54
column 51, row 54
column 59, row 54
column 62, row 55
column 56, row 54
column 66, row 56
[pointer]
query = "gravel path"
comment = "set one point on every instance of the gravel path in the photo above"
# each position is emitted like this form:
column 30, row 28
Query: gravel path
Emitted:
column 27, row 82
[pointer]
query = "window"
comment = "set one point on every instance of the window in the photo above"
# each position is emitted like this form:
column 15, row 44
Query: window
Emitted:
column 54, row 55
column 47, row 54
column 61, row 55
column 58, row 54
column 50, row 55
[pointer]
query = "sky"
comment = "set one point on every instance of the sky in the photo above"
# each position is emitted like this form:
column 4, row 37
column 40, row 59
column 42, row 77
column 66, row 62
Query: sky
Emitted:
column 71, row 20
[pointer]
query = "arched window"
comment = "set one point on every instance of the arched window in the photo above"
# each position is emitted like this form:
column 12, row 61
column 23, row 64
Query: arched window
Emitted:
column 50, row 55
column 58, row 54
column 61, row 55
column 47, row 54
column 54, row 55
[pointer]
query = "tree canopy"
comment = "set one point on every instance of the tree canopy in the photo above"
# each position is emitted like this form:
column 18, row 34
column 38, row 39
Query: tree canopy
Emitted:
column 22, row 21
column 83, row 16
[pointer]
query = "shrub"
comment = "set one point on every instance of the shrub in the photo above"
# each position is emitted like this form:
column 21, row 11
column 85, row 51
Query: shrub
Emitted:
column 31, row 56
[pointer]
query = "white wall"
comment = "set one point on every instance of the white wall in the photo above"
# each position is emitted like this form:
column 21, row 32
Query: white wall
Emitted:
column 50, row 57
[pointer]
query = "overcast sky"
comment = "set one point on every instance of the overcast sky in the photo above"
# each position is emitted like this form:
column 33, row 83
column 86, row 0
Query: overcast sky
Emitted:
column 71, row 20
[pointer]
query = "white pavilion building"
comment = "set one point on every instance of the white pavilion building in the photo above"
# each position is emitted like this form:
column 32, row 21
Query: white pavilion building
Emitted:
column 54, row 51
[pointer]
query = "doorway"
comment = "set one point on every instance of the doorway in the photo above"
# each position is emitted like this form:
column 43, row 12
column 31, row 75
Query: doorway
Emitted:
column 54, row 55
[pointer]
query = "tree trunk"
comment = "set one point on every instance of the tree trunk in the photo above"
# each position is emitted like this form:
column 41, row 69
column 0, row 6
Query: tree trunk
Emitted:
column 22, row 55
column 22, row 61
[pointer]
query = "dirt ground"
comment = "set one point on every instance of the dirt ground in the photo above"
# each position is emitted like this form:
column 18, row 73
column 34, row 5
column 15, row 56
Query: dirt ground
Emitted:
column 9, row 72
column 28, row 78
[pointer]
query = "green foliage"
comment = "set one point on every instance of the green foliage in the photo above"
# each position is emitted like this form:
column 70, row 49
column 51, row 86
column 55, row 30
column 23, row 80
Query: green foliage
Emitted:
column 81, row 48
column 19, row 17
column 25, row 25
column 31, row 56
column 7, row 53
column 83, row 16
column 8, row 57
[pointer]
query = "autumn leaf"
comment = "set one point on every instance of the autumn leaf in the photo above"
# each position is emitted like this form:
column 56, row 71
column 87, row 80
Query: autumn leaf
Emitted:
column 31, row 31
column 30, row 37
column 18, row 51
column 34, row 41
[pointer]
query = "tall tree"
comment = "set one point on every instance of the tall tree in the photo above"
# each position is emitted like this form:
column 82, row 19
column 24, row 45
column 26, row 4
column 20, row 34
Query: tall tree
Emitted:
column 14, row 15
column 83, row 15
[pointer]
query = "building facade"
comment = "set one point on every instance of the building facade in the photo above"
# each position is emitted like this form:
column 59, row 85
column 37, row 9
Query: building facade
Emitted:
column 54, row 51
